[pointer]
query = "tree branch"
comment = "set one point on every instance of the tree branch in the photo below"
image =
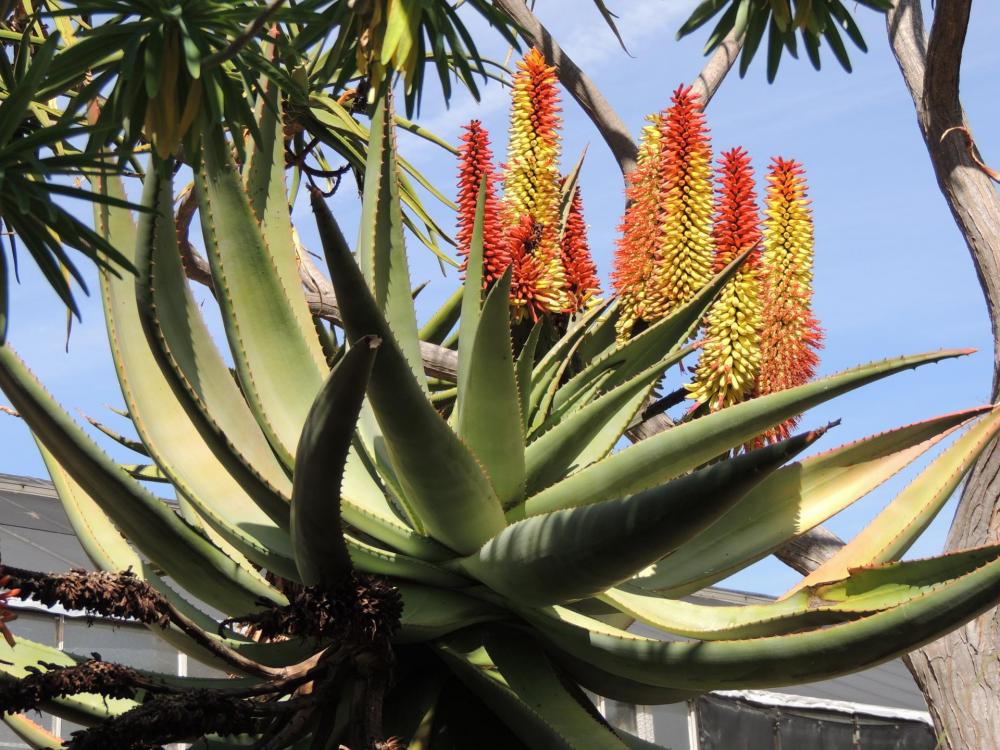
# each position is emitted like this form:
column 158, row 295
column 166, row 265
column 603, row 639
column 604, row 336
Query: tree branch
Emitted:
column 717, row 68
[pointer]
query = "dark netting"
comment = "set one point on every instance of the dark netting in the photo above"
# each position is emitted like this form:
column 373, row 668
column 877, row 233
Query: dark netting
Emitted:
column 730, row 724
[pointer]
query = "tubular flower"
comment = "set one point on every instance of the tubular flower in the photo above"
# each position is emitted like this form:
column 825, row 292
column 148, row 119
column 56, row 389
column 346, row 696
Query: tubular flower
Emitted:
column 531, row 175
column 530, row 290
column 5, row 614
column 475, row 161
column 581, row 273
column 639, row 231
column 730, row 359
column 683, row 261
column 791, row 335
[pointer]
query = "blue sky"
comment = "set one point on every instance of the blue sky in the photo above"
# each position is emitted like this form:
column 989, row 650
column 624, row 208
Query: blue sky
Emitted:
column 892, row 273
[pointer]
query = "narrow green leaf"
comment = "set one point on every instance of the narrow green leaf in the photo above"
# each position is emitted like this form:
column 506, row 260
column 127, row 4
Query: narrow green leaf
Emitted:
column 436, row 329
column 649, row 347
column 589, row 434
column 472, row 295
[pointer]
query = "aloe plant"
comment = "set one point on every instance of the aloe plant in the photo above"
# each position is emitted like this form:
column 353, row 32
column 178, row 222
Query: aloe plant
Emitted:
column 395, row 574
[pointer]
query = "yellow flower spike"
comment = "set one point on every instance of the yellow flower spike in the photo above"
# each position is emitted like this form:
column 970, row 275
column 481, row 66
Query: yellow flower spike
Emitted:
column 791, row 336
column 730, row 359
column 532, row 185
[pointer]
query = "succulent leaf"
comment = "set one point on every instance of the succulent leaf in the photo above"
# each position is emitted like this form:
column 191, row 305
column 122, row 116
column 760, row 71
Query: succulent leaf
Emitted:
column 554, row 558
column 793, row 500
column 443, row 483
column 686, row 446
column 317, row 534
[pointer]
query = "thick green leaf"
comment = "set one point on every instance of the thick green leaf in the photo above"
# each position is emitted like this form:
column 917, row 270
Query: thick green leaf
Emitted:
column 473, row 668
column 808, row 607
column 108, row 550
column 442, row 482
column 167, row 431
column 649, row 347
column 686, row 446
column 188, row 356
column 793, row 500
column 274, row 359
column 472, row 296
column 31, row 733
column 265, row 183
column 430, row 613
column 320, row 552
column 381, row 248
column 371, row 559
column 618, row 688
column 526, row 669
column 897, row 527
column 156, row 530
column 487, row 418
column 14, row 663
column 571, row 554
column 589, row 434
column 779, row 660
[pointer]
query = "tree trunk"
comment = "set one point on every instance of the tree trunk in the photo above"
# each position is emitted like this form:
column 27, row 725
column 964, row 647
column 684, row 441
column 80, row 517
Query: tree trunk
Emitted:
column 960, row 673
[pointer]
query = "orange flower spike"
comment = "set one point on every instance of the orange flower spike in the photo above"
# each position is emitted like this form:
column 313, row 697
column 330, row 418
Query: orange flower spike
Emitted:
column 791, row 336
column 730, row 359
column 684, row 262
column 476, row 160
column 636, row 247
column 581, row 273
column 531, row 175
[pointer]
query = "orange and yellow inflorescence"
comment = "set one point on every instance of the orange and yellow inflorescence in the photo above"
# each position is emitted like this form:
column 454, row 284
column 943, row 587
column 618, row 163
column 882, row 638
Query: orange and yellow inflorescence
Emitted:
column 532, row 179
column 581, row 272
column 681, row 253
column 790, row 334
column 730, row 360
column 552, row 270
column 639, row 229
column 475, row 160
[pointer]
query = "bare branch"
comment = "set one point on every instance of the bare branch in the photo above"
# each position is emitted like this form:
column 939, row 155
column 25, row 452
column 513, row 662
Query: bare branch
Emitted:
column 717, row 68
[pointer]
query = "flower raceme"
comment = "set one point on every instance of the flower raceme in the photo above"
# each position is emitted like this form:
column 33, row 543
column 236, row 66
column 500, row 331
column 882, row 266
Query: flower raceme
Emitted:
column 667, row 245
column 790, row 335
column 475, row 162
column 639, row 229
column 730, row 360
column 581, row 273
column 553, row 271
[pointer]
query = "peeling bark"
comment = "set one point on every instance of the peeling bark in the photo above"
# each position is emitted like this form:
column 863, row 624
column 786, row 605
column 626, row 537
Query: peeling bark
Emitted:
column 959, row 674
